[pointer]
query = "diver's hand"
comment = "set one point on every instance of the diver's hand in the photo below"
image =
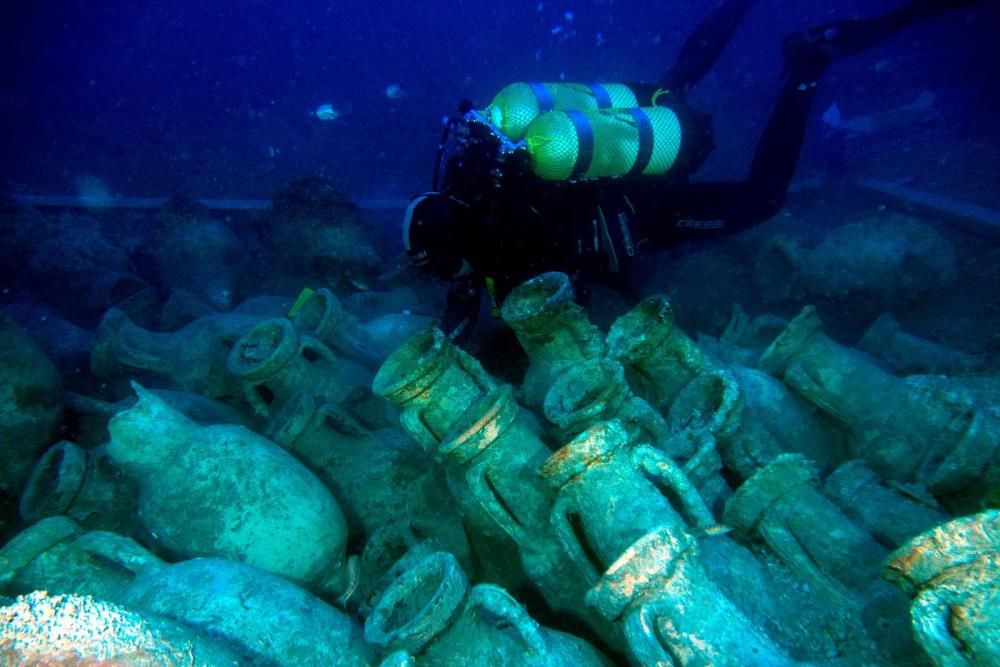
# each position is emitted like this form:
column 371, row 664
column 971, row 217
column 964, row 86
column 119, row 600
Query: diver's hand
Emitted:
column 462, row 309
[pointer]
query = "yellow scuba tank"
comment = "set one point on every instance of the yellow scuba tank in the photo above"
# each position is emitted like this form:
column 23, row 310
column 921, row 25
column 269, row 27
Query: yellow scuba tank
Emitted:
column 599, row 143
column 518, row 104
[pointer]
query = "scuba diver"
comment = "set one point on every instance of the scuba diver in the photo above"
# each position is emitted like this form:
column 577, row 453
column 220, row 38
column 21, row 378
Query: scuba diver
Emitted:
column 579, row 178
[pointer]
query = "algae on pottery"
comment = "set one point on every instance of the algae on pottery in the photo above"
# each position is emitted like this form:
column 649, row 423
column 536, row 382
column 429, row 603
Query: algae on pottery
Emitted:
column 225, row 491
column 43, row 629
column 31, row 401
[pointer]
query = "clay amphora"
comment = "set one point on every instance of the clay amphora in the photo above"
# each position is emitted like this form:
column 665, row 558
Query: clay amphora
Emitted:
column 355, row 463
column 892, row 514
column 322, row 316
column 57, row 555
column 225, row 491
column 492, row 458
column 672, row 612
column 434, row 382
column 84, row 485
column 951, row 572
column 595, row 390
column 753, row 418
column 192, row 359
column 275, row 361
column 782, row 505
column 713, row 401
column 431, row 613
column 606, row 500
column 904, row 433
column 906, row 354
column 32, row 396
column 91, row 415
column 552, row 329
column 660, row 357
column 268, row 618
column 204, row 257
column 391, row 550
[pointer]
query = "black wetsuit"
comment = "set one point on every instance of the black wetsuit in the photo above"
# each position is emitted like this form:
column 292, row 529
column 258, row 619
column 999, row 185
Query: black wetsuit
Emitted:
column 591, row 229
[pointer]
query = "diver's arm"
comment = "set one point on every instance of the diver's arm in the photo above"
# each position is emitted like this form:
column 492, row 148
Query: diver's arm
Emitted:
column 462, row 308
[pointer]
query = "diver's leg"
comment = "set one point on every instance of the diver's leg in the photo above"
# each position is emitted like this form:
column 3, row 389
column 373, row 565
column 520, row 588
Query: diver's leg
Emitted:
column 809, row 52
column 704, row 46
column 700, row 209
column 779, row 147
column 708, row 209
column 807, row 55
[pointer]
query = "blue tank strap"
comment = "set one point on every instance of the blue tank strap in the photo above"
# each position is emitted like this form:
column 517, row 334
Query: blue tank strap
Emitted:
column 601, row 95
column 585, row 142
column 543, row 96
column 645, row 128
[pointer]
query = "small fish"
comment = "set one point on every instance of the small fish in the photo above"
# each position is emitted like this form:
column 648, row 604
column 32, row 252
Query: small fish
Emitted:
column 884, row 65
column 327, row 112
column 717, row 529
column 920, row 110
column 111, row 564
column 394, row 91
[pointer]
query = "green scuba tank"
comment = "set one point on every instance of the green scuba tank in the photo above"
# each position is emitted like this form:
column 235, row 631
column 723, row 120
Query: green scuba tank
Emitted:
column 518, row 104
column 603, row 142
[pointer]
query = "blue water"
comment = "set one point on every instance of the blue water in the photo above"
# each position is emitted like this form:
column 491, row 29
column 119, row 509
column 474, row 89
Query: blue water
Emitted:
column 213, row 99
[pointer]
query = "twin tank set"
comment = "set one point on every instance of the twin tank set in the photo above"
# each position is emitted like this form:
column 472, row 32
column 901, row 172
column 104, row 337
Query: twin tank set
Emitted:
column 577, row 130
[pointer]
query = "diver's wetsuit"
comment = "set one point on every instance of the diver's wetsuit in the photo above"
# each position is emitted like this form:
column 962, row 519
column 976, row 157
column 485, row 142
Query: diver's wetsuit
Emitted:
column 590, row 229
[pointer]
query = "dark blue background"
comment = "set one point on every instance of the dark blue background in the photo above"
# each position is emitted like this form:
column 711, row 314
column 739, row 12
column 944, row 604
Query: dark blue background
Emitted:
column 211, row 98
